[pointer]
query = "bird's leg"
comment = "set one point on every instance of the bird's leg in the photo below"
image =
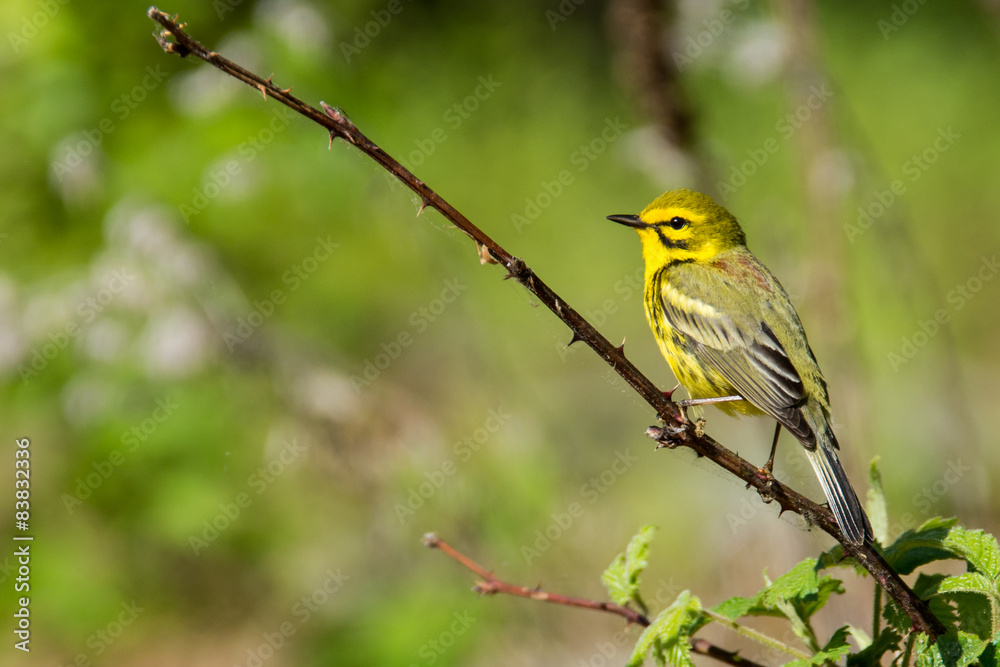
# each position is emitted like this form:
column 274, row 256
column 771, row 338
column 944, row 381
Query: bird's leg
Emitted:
column 769, row 466
column 688, row 402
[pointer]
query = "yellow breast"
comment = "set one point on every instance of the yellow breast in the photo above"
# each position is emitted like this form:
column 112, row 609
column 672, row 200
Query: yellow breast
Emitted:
column 699, row 379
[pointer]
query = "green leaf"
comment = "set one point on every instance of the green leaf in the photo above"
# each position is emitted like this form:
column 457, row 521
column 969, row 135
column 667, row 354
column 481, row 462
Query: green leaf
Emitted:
column 801, row 580
column 926, row 588
column 926, row 585
column 920, row 546
column 838, row 641
column 970, row 582
column 616, row 582
column 950, row 650
column 735, row 607
column 878, row 512
column 896, row 618
column 810, row 604
column 887, row 640
column 834, row 557
column 979, row 613
column 975, row 614
column 977, row 547
column 835, row 649
column 796, row 595
column 637, row 552
column 621, row 578
column 669, row 634
column 801, row 587
column 988, row 658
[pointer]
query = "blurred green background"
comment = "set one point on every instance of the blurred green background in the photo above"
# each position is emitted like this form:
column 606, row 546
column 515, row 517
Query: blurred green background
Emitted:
column 252, row 379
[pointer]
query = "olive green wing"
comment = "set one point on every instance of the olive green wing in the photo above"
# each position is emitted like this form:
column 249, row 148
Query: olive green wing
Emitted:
column 729, row 333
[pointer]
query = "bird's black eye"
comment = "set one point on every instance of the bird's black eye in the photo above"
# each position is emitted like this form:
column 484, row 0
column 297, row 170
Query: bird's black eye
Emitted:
column 678, row 223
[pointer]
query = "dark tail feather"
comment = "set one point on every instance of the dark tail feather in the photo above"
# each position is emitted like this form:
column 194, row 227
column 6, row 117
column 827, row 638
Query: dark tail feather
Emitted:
column 844, row 503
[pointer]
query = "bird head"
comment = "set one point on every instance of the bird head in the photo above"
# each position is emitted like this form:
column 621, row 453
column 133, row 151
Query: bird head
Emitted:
column 683, row 225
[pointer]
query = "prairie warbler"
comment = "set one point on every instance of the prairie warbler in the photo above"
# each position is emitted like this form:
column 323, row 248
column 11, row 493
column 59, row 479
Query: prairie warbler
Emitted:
column 728, row 330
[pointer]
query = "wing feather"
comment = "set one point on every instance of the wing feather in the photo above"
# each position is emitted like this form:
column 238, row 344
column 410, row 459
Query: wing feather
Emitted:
column 742, row 347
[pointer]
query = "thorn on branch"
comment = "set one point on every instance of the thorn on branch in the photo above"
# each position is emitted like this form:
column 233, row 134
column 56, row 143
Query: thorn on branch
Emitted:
column 262, row 87
column 424, row 203
column 163, row 39
column 163, row 36
column 485, row 256
column 485, row 588
column 575, row 339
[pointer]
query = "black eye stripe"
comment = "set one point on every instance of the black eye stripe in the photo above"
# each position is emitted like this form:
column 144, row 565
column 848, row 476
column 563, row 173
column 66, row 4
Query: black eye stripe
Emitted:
column 670, row 243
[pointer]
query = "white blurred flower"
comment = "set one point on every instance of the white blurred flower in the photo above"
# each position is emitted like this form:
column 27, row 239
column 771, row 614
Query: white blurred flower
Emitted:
column 177, row 342
column 325, row 393
column 303, row 28
column 758, row 53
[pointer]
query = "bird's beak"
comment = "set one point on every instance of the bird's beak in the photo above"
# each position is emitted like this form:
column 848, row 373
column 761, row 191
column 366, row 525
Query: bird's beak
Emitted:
column 628, row 221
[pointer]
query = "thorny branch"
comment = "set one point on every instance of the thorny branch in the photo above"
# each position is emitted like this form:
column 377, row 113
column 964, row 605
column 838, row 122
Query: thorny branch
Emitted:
column 491, row 585
column 676, row 432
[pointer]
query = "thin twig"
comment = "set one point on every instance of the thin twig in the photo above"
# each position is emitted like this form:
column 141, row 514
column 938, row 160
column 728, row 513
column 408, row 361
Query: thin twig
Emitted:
column 678, row 432
column 756, row 635
column 705, row 647
column 490, row 585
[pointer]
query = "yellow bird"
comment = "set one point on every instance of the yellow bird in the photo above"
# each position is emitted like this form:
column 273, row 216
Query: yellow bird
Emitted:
column 731, row 336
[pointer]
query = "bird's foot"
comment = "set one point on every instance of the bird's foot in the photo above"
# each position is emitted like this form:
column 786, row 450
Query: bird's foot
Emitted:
column 767, row 493
column 665, row 436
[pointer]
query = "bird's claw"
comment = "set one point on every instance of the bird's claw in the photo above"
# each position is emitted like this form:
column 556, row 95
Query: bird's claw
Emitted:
column 665, row 436
column 767, row 493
